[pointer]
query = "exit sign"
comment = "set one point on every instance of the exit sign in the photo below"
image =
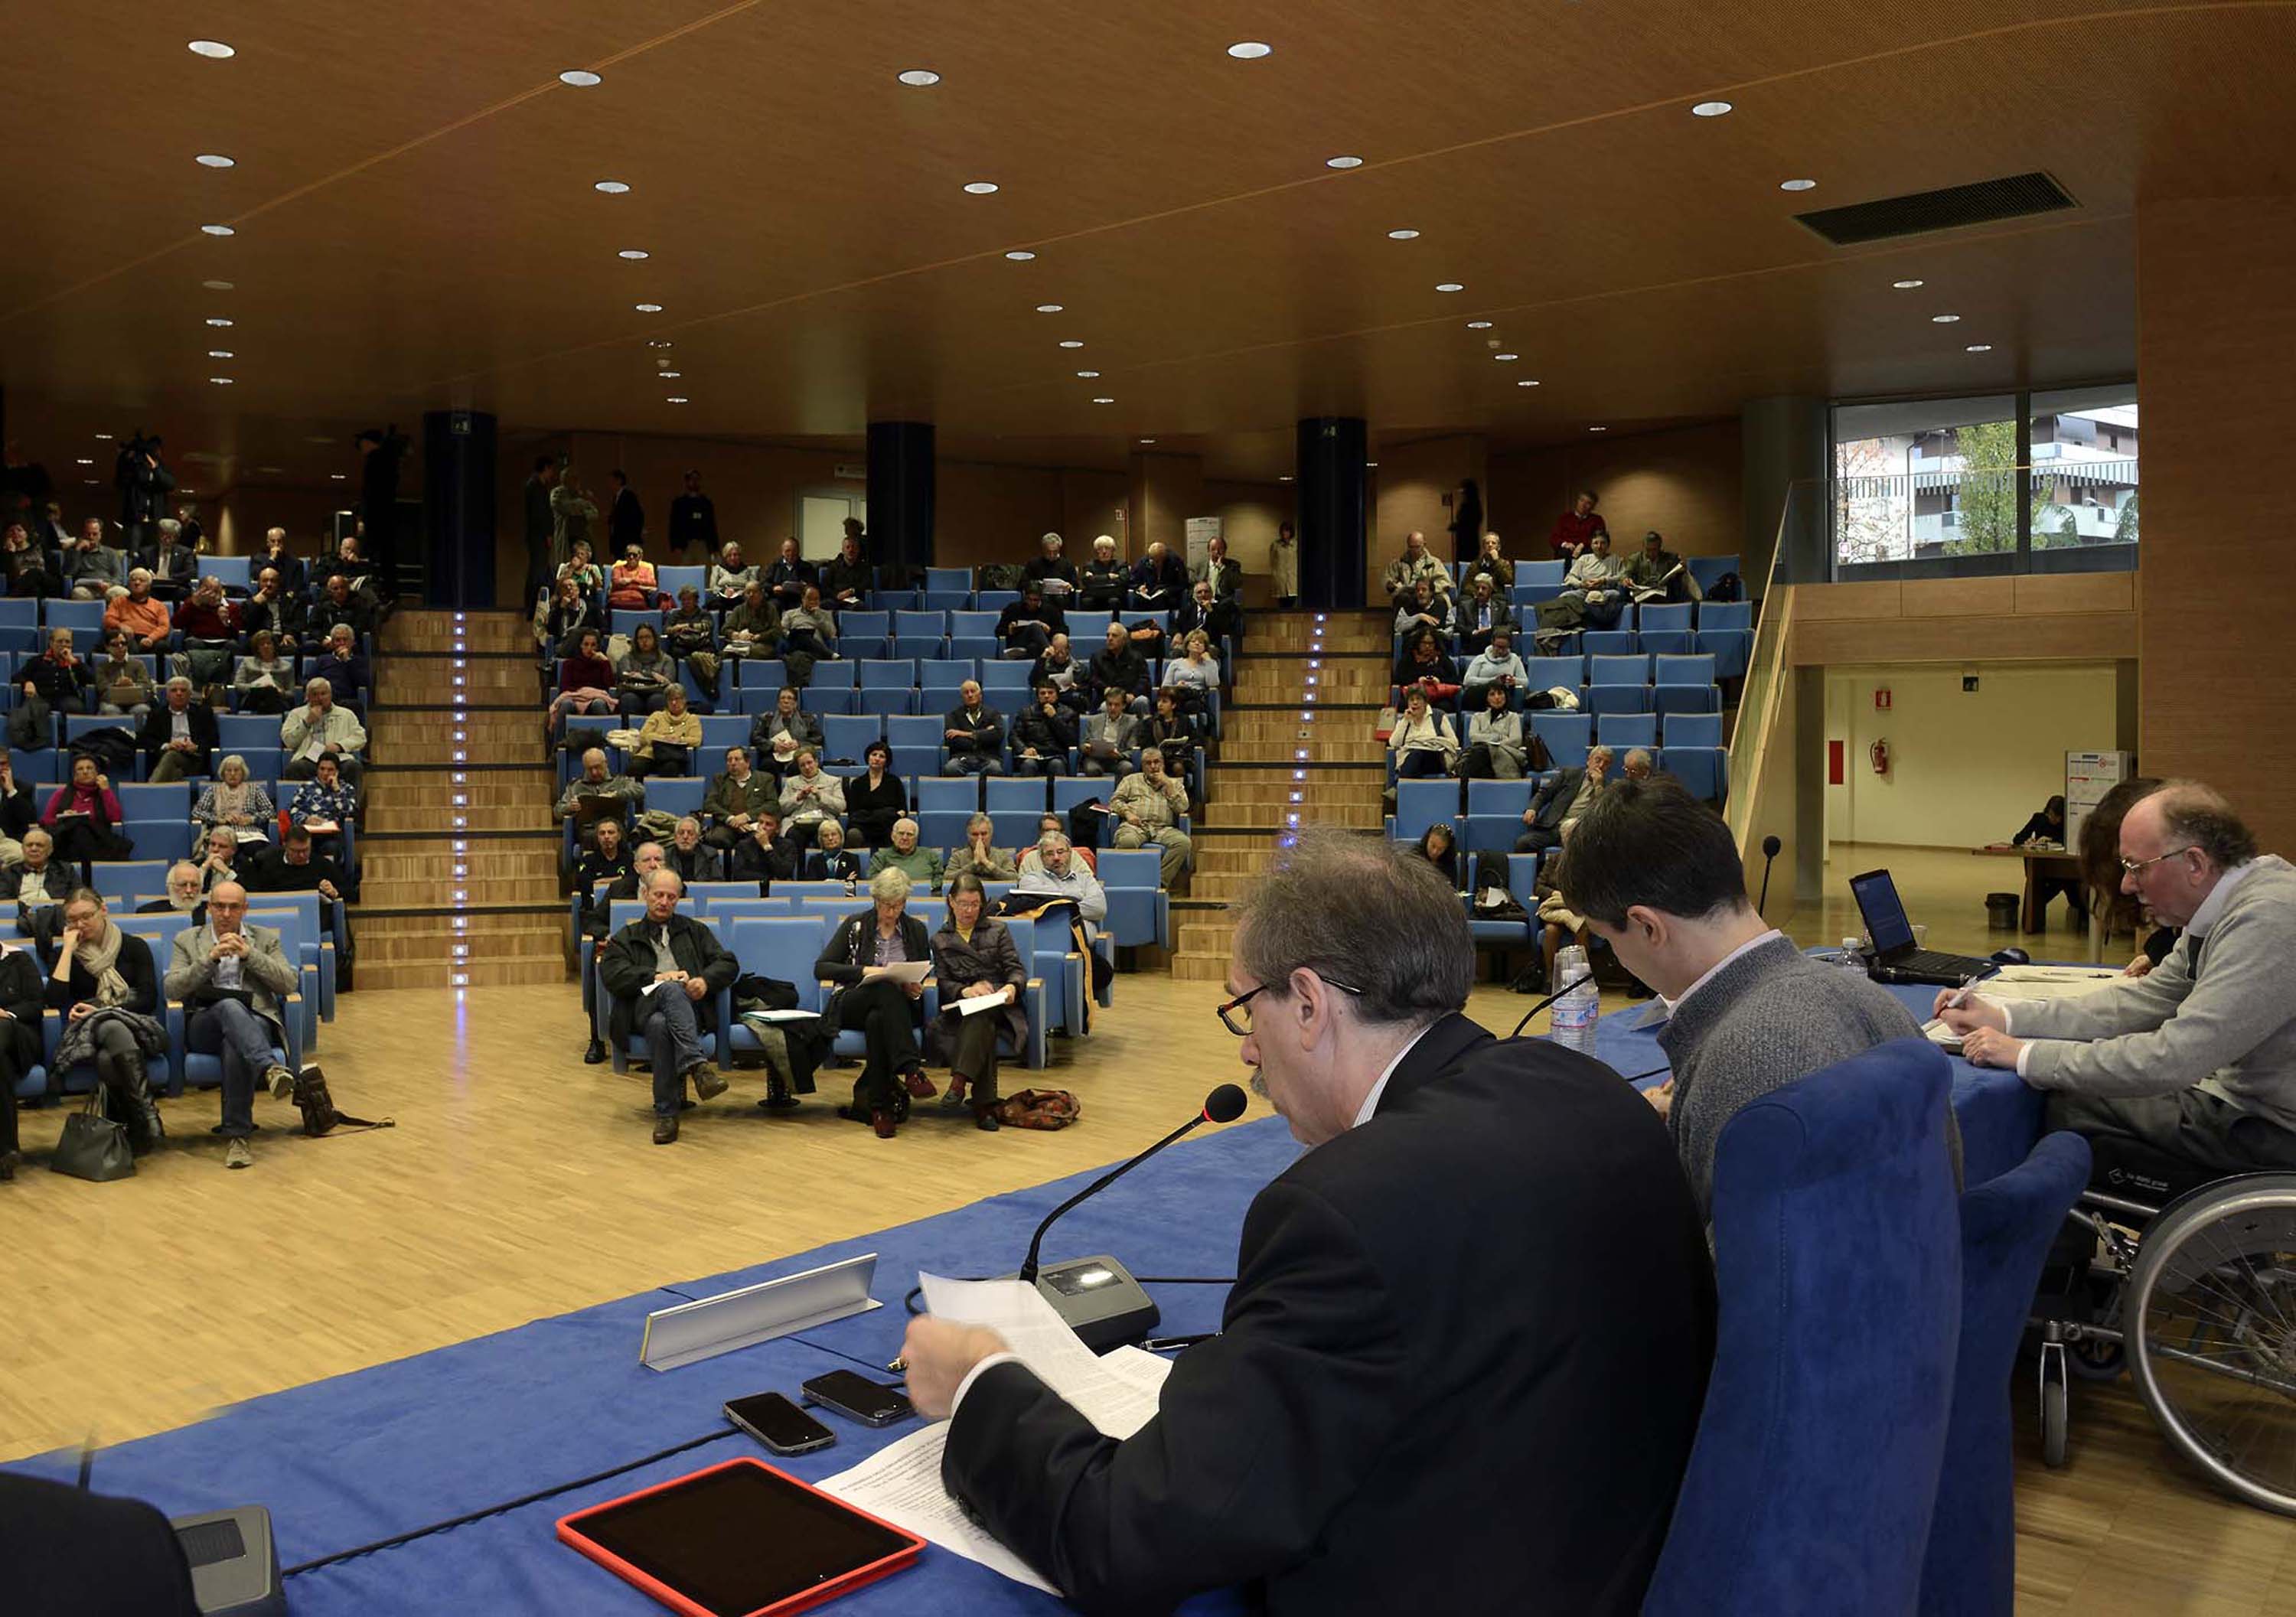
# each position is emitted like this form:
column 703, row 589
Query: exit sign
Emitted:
column 1881, row 699
column 853, row 469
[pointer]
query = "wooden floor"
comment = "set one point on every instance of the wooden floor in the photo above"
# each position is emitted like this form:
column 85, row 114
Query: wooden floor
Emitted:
column 520, row 1182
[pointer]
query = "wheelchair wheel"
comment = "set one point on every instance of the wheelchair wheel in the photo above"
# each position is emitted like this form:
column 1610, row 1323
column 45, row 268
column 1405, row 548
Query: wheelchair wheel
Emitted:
column 2211, row 1316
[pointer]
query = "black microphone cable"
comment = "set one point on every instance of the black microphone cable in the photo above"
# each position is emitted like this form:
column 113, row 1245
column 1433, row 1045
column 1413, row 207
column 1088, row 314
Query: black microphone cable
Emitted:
column 1585, row 976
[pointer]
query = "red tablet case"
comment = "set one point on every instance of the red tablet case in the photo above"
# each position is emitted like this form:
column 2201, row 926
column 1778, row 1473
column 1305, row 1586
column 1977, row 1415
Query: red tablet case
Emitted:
column 570, row 1529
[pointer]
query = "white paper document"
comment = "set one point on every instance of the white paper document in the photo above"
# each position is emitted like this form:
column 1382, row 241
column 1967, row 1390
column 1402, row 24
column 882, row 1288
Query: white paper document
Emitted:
column 2013, row 983
column 1116, row 1393
column 978, row 1003
column 772, row 1016
column 908, row 970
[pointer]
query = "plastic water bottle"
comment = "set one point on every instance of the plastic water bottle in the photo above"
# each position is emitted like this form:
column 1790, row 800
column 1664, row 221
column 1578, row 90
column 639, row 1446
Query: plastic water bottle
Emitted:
column 1571, row 1024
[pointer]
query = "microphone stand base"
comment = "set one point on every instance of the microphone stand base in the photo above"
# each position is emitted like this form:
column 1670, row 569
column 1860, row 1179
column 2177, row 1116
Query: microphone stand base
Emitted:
column 1098, row 1299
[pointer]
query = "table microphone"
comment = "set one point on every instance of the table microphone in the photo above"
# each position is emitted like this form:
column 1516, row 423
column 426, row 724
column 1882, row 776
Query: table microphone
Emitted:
column 1097, row 1297
column 1770, row 846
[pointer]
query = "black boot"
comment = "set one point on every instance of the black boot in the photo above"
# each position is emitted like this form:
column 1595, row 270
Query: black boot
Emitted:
column 778, row 1098
column 596, row 1052
column 142, row 1119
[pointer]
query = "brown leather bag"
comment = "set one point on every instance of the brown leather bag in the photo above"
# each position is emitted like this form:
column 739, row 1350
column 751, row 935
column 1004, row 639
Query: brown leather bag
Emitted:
column 1039, row 1109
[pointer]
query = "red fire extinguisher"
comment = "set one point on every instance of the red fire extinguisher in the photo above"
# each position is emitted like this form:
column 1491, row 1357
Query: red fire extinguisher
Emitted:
column 1879, row 752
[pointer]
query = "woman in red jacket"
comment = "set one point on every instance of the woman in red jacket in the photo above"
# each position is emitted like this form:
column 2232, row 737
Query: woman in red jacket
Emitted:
column 82, row 815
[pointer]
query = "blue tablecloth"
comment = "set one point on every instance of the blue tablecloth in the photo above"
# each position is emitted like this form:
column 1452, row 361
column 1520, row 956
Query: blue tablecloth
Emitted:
column 2000, row 1116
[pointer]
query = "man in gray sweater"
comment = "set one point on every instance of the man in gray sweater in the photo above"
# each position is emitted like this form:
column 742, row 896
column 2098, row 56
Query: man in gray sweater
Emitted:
column 2198, row 1058
column 1657, row 876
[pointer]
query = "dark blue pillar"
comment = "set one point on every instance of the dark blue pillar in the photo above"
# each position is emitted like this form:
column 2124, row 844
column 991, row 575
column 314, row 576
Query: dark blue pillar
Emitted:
column 1333, row 511
column 900, row 496
column 458, row 508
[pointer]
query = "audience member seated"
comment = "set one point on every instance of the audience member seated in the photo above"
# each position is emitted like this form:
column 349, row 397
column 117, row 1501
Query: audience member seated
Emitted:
column 1637, row 765
column 692, row 858
column 2200, row 1066
column 1193, row 676
column 1594, row 594
column 875, row 798
column 972, row 732
column 974, row 958
column 37, row 882
column 1439, row 848
column 626, row 796
column 752, row 629
column 1118, row 667
column 320, row 729
column 900, row 853
column 644, row 677
column 233, row 802
column 261, row 681
column 1111, row 736
column 232, row 982
column 1404, row 575
column 571, row 613
column 1488, row 563
column 60, row 677
column 121, row 681
column 1148, row 806
column 26, row 565
column 344, row 666
column 175, row 561
column 1026, row 627
column 83, row 816
column 1496, row 748
column 323, row 805
column 103, row 982
column 1042, row 734
column 1657, row 574
column 765, row 856
column 224, row 857
column 669, row 739
column 1559, row 801
column 2107, row 882
column 338, row 602
column 854, row 962
column 585, row 682
column 1423, row 742
column 633, row 584
column 808, row 630
column 277, row 558
column 608, row 859
column 18, row 812
column 296, row 866
column 830, row 859
column 206, row 629
column 1059, row 669
column 1159, row 581
column 731, row 578
column 647, row 857
column 139, row 615
column 1058, row 876
column 187, row 894
column 1426, row 667
column 1051, row 570
column 1483, row 614
column 1222, row 571
column 735, row 796
column 179, row 735
column 1049, row 824
column 776, row 737
column 1218, row 618
column 666, row 947
column 1426, row 610
column 810, row 794
column 1575, row 529
column 1655, row 873
column 1174, row 733
column 1102, row 586
column 1559, row 924
column 690, row 634
column 789, row 577
column 92, row 569
column 1495, row 666
column 980, row 856
column 848, row 578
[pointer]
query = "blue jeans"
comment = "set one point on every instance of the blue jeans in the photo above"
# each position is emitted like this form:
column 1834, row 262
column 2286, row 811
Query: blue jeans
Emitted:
column 244, row 1040
column 975, row 763
column 673, row 1036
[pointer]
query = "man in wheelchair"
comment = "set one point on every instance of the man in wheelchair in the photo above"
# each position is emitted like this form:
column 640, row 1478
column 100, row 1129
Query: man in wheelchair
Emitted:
column 2189, row 1073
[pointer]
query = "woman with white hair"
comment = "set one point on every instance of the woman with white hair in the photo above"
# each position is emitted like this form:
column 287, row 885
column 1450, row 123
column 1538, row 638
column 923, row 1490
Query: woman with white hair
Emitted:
column 859, row 961
column 234, row 803
column 1105, row 578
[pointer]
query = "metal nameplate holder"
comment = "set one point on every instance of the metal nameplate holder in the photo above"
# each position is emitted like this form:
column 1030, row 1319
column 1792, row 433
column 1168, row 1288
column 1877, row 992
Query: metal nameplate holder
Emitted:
column 703, row 1329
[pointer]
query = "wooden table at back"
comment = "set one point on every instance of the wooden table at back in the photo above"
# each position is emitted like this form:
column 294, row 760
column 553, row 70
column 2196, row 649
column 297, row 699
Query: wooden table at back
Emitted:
column 2042, row 861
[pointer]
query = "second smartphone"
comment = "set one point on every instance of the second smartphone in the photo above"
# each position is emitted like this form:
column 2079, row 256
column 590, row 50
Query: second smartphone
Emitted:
column 857, row 1398
column 778, row 1424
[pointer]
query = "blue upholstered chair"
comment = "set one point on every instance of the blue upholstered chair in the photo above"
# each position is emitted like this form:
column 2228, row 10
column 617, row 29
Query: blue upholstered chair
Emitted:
column 1838, row 1270
column 2007, row 1225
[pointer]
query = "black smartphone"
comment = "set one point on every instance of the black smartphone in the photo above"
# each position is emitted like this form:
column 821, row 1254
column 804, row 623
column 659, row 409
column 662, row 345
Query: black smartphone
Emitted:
column 857, row 1398
column 778, row 1424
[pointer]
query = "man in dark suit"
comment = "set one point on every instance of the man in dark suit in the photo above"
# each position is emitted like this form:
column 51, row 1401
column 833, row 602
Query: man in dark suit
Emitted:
column 625, row 517
column 1462, row 1363
column 179, row 735
column 1561, row 799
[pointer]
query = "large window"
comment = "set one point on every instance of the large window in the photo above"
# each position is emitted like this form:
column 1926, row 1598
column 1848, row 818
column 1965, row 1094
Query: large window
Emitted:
column 2002, row 482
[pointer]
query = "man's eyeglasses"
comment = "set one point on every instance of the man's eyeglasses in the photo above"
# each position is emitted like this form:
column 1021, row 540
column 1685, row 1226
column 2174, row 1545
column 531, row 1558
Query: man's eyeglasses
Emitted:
column 2131, row 866
column 1235, row 1015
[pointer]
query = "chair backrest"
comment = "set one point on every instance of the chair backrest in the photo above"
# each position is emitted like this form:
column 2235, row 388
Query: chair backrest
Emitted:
column 1709, row 570
column 722, row 912
column 1421, row 804
column 1837, row 1270
column 1016, row 793
column 1685, row 670
column 1004, row 681
column 848, row 734
column 671, row 579
column 947, row 578
column 147, row 801
column 2007, row 1225
column 119, row 880
column 74, row 615
column 876, row 625
column 678, row 794
column 159, row 929
column 1547, row 672
column 783, row 947
column 923, row 624
column 237, row 732
column 897, row 673
column 1725, row 614
column 621, row 912
column 1694, row 729
column 914, row 730
column 948, row 793
column 625, row 621
column 1618, row 670
column 1539, row 573
column 720, row 731
column 1497, row 796
column 1070, row 789
column 1668, row 615
column 1139, row 867
column 235, row 574
column 1567, row 736
column 1627, row 729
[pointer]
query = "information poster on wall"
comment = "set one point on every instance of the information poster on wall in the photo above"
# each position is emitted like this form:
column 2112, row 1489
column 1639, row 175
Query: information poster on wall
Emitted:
column 1201, row 531
column 2089, row 776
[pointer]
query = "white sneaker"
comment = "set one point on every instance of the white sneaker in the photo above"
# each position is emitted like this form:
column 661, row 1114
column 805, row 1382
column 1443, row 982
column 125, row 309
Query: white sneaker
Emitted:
column 282, row 1082
column 239, row 1154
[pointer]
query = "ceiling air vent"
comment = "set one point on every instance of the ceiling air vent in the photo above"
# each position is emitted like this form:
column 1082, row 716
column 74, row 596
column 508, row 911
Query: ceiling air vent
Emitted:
column 2012, row 198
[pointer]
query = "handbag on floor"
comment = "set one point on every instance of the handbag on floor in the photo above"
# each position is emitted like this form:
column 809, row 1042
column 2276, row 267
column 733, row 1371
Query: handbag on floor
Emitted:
column 1039, row 1109
column 92, row 1146
column 318, row 1106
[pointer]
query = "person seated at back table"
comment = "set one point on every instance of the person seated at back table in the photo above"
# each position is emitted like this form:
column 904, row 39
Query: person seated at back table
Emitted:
column 234, row 981
column 974, row 958
column 735, row 796
column 830, row 859
column 1111, row 736
column 980, row 855
column 765, row 856
column 678, row 951
column 1101, row 587
column 1042, row 734
column 1159, row 581
column 2047, row 827
column 1483, row 614
column 1026, row 627
column 186, row 894
column 2196, row 1059
column 1656, row 874
column 973, row 734
column 901, row 852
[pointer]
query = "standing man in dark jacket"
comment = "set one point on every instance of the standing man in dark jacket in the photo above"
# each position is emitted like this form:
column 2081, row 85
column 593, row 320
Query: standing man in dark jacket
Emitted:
column 538, row 522
column 625, row 517
column 1381, row 1376
column 144, row 485
column 664, row 973
column 692, row 521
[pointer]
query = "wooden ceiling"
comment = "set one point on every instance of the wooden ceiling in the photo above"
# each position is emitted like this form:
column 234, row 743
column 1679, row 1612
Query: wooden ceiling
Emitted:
column 416, row 227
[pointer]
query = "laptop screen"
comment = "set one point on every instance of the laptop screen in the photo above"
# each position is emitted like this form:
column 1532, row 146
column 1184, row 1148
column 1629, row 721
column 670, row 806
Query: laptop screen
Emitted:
column 1885, row 914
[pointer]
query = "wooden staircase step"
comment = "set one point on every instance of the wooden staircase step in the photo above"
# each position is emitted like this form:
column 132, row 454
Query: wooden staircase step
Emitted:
column 1219, row 815
column 437, row 790
column 478, row 631
column 534, row 816
column 412, row 681
column 486, row 859
column 1321, row 789
column 436, row 888
column 492, row 971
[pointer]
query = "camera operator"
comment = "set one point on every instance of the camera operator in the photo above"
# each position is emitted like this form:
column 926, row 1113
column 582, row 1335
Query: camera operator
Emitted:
column 145, row 484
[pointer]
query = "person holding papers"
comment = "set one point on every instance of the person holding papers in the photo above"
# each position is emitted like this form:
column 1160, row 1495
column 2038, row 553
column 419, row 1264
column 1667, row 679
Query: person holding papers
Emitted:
column 977, row 965
column 320, row 729
column 1656, row 573
column 1462, row 1362
column 876, row 962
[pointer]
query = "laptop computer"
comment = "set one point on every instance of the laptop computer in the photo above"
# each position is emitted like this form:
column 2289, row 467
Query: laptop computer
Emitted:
column 1895, row 957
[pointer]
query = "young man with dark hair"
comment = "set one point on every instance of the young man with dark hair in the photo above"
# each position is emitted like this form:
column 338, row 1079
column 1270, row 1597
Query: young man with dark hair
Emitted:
column 1655, row 873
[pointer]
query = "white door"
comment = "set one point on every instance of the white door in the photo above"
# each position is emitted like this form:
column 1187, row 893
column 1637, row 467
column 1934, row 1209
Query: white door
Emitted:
column 821, row 522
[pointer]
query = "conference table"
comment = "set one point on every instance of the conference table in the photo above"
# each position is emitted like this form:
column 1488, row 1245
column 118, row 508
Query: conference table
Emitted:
column 358, row 1459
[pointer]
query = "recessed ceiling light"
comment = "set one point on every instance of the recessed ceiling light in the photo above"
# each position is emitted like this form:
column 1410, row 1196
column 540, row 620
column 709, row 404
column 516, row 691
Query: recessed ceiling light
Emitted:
column 215, row 50
column 1103, row 400
column 318, row 437
column 1403, row 235
column 581, row 78
column 89, row 481
column 1284, row 477
column 1088, row 375
column 1371, row 466
column 1479, row 325
column 1343, row 162
column 1598, row 429
column 677, row 399
column 1907, row 286
column 1070, row 342
column 611, row 187
column 214, row 159
column 1980, row 348
column 1504, row 357
column 1250, row 50
column 918, row 78
column 218, row 320
column 1449, row 286
column 670, row 376
column 1144, row 441
column 1019, row 257
column 104, row 438
column 1709, row 109
column 86, row 463
column 217, row 286
column 634, row 253
column 1943, row 319
column 647, row 308
column 218, row 230
column 980, row 188
column 221, row 354
column 1049, row 309
column 337, row 476
column 221, row 382
column 1797, row 184
column 1528, row 381
column 659, row 343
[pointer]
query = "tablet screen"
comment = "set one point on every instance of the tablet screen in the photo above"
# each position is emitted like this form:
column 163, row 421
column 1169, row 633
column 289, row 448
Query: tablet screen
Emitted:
column 738, row 1537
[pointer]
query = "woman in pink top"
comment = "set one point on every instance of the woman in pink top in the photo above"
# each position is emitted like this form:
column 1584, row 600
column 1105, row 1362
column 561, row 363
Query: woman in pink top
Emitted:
column 82, row 815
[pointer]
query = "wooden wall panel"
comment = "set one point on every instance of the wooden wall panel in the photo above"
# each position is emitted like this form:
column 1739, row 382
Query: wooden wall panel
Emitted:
column 1684, row 482
column 1951, row 620
column 1957, row 597
column 2076, row 592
